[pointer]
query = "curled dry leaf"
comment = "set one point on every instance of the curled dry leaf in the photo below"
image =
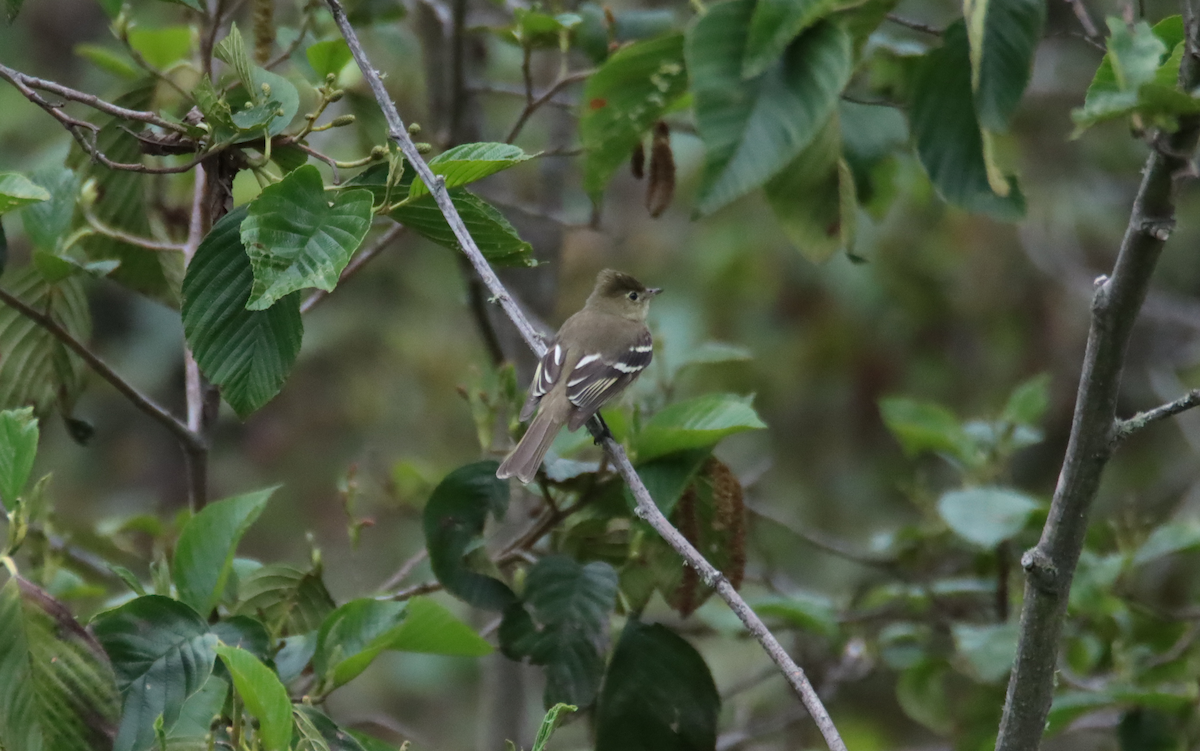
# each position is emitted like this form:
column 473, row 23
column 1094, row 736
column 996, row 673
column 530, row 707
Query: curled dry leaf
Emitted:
column 661, row 188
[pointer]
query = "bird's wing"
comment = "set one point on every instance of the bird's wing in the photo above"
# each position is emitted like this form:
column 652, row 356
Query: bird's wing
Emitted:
column 595, row 378
column 549, row 368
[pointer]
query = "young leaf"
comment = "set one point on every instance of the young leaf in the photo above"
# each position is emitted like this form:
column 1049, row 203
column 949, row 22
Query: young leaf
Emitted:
column 276, row 99
column 495, row 236
column 986, row 516
column 775, row 24
column 57, row 689
column 950, row 144
column 319, row 733
column 454, row 517
column 561, row 625
column 922, row 426
column 550, row 723
column 18, row 448
column 658, row 694
column 753, row 129
column 16, row 191
column 264, row 696
column 247, row 353
column 328, row 57
column 232, row 51
column 288, row 599
column 207, row 543
column 470, row 162
column 162, row 652
column 1029, row 401
column 353, row 636
column 296, row 238
column 430, row 628
column 622, row 100
column 1003, row 34
column 696, row 423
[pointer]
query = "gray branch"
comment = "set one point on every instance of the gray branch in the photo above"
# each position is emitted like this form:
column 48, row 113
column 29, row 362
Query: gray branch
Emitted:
column 1050, row 565
column 1125, row 428
column 645, row 504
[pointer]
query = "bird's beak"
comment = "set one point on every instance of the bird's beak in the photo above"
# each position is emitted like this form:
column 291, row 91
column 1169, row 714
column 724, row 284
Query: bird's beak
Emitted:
column 655, row 291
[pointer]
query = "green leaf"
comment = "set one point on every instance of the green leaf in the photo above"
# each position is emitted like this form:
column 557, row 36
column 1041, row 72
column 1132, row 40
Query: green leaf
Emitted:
column 112, row 61
column 163, row 47
column 296, row 238
column 16, row 191
column 57, row 689
column 775, row 24
column 430, row 628
column 667, row 476
column 1145, row 729
column 353, row 636
column 273, row 111
column 232, row 51
column 289, row 600
column 48, row 221
column 622, row 100
column 318, row 732
column 454, row 517
column 811, row 612
column 207, row 543
column 921, row 693
column 989, row 650
column 986, row 516
column 163, row 653
column 1003, row 34
column 696, row 423
column 495, row 236
column 289, row 158
column 470, row 162
column 328, row 57
column 264, row 697
column 753, row 129
column 36, row 368
column 197, row 714
column 554, row 717
column 950, row 144
column 561, row 624
column 658, row 694
column 18, row 448
column 922, row 426
column 1168, row 539
column 1135, row 53
column 247, row 353
column 245, row 632
column 1028, row 401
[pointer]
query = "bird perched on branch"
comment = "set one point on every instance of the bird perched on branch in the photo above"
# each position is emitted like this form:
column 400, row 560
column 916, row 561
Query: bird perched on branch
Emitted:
column 596, row 354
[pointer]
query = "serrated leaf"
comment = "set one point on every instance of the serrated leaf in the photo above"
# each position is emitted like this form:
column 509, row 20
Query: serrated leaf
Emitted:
column 454, row 518
column 353, row 636
column 752, row 129
column 36, row 368
column 248, row 353
column 288, row 599
column 163, row 653
column 658, row 694
column 986, row 516
column 296, row 238
column 430, row 628
column 696, row 423
column 57, row 689
column 232, row 51
column 1003, row 34
column 18, row 449
column 622, row 100
column 950, row 144
column 46, row 222
column 773, row 26
column 562, row 625
column 17, row 191
column 469, row 162
column 328, row 57
column 264, row 696
column 207, row 543
column 495, row 236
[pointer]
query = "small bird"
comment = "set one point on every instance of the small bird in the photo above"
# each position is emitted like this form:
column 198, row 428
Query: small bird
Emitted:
column 597, row 353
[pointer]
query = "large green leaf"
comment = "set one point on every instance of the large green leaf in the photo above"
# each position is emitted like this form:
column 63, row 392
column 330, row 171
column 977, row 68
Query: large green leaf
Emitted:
column 950, row 144
column 562, row 625
column 248, row 353
column 658, row 694
column 696, row 423
column 495, row 235
column 470, row 162
column 666, row 477
column 17, row 191
column 204, row 553
column 430, row 628
column 196, row 716
column 353, row 636
column 454, row 517
column 163, row 653
column 264, row 696
column 986, row 516
column 297, row 238
column 753, row 129
column 47, row 222
column 623, row 100
column 37, row 369
column 328, row 57
column 1003, row 35
column 57, row 689
column 18, row 449
column 775, row 24
column 288, row 599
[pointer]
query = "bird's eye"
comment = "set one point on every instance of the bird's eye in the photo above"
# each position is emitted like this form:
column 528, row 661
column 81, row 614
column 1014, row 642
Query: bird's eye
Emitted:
column 633, row 296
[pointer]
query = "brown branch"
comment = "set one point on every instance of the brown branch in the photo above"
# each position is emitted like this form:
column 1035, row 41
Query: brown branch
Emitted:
column 534, row 104
column 908, row 23
column 1118, row 299
column 356, row 264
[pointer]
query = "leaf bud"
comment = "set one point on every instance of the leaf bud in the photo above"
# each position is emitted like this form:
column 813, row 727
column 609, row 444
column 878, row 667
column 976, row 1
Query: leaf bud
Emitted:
column 342, row 120
column 89, row 193
column 424, row 148
column 414, row 129
column 336, row 95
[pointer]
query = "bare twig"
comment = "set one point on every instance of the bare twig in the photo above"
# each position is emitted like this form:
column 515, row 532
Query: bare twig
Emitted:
column 200, row 408
column 1118, row 299
column 517, row 91
column 908, row 23
column 405, row 569
column 146, row 243
column 1125, row 428
column 411, row 592
column 534, row 104
column 1085, row 20
column 356, row 264
column 824, row 542
column 646, row 508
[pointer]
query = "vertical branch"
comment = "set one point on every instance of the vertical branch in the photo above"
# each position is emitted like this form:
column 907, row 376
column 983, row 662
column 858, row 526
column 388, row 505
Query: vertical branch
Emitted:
column 1050, row 565
column 198, row 416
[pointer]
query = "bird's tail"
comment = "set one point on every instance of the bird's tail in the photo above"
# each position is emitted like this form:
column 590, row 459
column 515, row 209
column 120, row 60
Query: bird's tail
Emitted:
column 525, row 459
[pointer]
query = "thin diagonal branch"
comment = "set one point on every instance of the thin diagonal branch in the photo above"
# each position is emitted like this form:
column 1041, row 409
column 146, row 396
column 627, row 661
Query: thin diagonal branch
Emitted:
column 908, row 23
column 646, row 508
column 1125, row 428
column 139, row 400
column 1085, row 20
column 533, row 105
